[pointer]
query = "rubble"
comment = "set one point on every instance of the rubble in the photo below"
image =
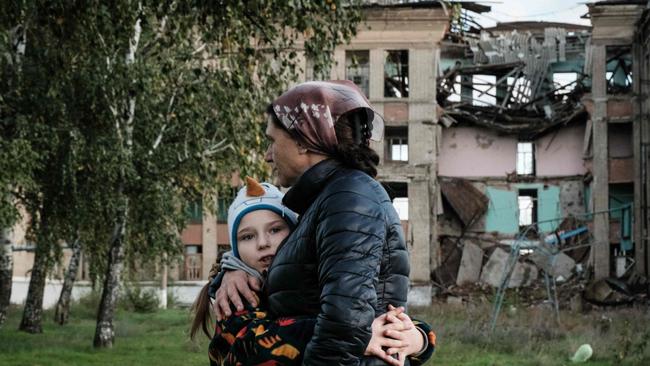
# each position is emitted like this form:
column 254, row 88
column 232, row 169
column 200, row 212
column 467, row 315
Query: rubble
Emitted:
column 470, row 264
column 493, row 271
column 555, row 264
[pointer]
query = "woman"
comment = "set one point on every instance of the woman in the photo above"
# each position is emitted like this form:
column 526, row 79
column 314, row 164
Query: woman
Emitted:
column 346, row 261
column 258, row 223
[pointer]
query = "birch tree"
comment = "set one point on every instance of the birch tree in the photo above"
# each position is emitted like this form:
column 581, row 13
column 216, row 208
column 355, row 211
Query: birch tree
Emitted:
column 16, row 156
column 166, row 99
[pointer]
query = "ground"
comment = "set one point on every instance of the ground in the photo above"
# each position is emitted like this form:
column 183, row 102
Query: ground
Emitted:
column 524, row 336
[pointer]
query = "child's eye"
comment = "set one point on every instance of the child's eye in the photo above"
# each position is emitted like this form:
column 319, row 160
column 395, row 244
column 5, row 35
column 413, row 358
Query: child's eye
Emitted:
column 276, row 229
column 245, row 237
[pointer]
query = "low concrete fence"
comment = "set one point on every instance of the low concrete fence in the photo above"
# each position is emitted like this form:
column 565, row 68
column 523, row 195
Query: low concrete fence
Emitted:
column 183, row 292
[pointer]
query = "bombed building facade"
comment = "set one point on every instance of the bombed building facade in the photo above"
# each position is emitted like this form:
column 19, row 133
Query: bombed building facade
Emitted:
column 520, row 135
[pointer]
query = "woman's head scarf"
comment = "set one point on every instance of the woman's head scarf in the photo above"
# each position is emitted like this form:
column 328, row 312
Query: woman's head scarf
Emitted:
column 310, row 110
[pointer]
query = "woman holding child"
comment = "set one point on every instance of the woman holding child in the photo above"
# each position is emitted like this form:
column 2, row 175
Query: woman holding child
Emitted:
column 345, row 262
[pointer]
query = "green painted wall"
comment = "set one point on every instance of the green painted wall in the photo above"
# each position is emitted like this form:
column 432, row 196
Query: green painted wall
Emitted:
column 503, row 216
column 622, row 196
column 502, row 211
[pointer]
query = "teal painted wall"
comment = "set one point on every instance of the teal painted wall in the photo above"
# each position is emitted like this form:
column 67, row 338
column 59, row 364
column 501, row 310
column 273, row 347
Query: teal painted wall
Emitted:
column 622, row 196
column 502, row 211
column 503, row 215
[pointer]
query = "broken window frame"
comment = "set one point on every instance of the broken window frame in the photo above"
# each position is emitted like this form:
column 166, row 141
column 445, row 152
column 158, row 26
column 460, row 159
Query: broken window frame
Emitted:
column 564, row 83
column 532, row 194
column 357, row 69
column 397, row 136
column 396, row 74
column 529, row 156
column 484, row 90
column 397, row 191
column 618, row 69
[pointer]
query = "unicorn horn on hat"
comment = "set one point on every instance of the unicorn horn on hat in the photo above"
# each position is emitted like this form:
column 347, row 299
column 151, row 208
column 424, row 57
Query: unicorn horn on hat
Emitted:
column 254, row 188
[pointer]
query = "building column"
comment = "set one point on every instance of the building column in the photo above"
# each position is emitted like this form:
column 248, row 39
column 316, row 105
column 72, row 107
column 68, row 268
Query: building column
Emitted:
column 418, row 241
column 640, row 248
column 600, row 192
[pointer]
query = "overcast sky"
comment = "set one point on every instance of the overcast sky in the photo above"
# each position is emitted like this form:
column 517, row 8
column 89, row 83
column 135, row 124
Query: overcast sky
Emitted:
column 566, row 11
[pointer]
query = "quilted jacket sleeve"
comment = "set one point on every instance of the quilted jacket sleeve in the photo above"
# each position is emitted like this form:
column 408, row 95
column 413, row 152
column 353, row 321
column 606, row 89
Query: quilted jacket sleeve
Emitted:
column 350, row 235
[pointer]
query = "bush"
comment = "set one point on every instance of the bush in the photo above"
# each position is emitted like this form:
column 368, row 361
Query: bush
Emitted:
column 87, row 305
column 139, row 300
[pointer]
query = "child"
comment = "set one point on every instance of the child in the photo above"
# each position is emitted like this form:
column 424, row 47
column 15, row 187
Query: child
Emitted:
column 257, row 225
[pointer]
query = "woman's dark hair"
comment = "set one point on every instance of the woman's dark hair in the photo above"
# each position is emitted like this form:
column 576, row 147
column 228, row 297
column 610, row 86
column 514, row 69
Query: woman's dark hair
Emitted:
column 353, row 148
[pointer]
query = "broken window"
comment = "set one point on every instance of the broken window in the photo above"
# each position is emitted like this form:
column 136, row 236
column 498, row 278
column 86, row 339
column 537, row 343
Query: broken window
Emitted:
column 396, row 74
column 357, row 69
column 564, row 82
column 401, row 205
column 520, row 90
column 484, row 93
column 527, row 203
column 525, row 158
column 619, row 69
column 398, row 193
column 397, row 143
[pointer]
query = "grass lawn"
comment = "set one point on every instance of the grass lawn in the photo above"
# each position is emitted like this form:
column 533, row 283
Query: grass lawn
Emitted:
column 530, row 336
column 159, row 338
column 524, row 336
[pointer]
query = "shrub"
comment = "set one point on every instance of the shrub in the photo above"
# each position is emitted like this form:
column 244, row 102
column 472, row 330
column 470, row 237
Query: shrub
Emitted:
column 139, row 300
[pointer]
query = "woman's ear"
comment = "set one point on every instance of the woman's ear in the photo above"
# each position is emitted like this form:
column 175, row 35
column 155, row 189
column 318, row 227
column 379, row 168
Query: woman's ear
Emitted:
column 301, row 149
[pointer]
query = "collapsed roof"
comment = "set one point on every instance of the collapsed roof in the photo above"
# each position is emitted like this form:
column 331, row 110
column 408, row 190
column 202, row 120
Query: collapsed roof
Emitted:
column 505, row 81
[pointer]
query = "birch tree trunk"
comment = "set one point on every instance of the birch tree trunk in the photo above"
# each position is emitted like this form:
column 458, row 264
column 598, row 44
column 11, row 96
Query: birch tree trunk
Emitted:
column 104, row 333
column 62, row 311
column 6, row 272
column 33, row 312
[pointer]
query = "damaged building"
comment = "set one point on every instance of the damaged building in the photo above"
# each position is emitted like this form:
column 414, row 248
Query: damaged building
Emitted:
column 543, row 139
column 524, row 133
column 511, row 144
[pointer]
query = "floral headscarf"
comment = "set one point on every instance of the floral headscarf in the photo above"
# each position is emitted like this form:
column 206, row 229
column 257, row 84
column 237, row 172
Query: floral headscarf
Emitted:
column 310, row 110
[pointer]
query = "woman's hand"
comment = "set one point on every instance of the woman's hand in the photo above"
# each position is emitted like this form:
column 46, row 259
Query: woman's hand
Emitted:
column 411, row 337
column 394, row 337
column 233, row 284
column 381, row 344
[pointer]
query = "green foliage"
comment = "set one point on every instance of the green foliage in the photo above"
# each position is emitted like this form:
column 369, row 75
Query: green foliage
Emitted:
column 89, row 128
column 139, row 300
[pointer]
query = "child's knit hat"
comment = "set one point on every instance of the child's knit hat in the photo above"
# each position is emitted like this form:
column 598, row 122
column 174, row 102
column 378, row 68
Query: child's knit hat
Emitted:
column 256, row 196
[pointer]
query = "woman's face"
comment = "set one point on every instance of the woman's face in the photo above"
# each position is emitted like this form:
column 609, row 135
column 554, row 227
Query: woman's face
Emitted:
column 286, row 155
column 259, row 234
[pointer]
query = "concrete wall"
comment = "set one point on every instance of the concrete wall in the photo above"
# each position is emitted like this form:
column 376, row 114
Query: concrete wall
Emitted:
column 184, row 292
column 476, row 152
column 479, row 152
column 560, row 153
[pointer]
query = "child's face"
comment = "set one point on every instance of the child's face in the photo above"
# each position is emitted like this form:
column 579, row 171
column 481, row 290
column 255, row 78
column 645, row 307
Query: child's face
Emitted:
column 259, row 234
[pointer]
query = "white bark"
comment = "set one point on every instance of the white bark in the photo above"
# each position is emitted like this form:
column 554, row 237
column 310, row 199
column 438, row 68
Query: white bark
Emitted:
column 6, row 272
column 104, row 332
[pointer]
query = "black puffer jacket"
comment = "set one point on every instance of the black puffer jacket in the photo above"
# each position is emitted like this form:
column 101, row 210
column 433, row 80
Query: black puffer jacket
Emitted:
column 344, row 263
